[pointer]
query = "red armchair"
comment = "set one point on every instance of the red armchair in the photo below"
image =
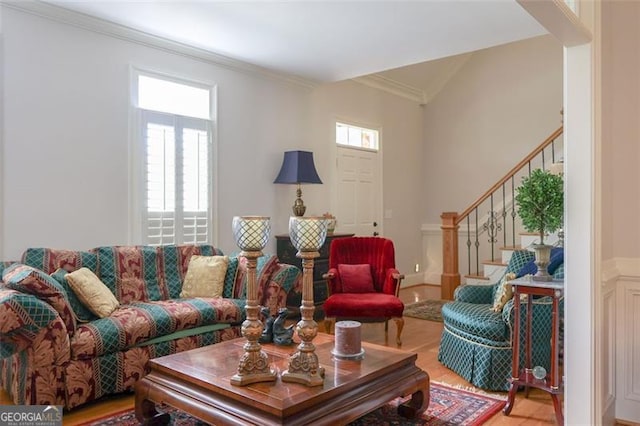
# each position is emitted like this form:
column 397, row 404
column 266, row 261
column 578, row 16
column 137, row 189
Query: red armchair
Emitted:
column 363, row 283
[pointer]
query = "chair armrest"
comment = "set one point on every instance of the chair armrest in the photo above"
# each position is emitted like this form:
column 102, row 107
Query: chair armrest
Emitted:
column 328, row 276
column 478, row 294
column 332, row 281
column 392, row 282
column 23, row 317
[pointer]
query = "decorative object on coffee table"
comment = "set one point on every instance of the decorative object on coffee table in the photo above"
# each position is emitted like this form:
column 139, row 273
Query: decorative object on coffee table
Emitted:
column 282, row 335
column 540, row 201
column 307, row 235
column 348, row 344
column 267, row 330
column 297, row 167
column 251, row 234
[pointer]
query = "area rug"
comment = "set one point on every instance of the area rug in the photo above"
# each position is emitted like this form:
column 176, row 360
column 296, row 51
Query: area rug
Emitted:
column 430, row 309
column 448, row 406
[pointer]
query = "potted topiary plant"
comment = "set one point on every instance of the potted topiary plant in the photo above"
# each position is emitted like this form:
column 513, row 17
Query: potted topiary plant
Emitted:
column 540, row 200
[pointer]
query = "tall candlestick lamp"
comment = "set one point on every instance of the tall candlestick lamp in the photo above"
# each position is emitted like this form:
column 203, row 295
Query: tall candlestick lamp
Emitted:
column 307, row 235
column 251, row 234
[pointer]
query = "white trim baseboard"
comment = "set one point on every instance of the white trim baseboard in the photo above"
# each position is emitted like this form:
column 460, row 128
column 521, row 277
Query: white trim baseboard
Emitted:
column 412, row 279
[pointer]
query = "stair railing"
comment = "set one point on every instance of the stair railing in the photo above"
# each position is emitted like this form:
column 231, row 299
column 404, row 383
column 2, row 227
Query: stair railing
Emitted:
column 498, row 225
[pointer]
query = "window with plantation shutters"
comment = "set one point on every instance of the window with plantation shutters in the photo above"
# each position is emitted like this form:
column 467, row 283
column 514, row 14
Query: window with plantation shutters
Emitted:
column 176, row 174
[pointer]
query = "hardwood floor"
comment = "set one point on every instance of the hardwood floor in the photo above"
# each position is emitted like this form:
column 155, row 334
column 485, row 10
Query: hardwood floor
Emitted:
column 422, row 337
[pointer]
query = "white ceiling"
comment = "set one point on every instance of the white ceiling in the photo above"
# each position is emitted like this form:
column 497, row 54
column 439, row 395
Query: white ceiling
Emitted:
column 326, row 40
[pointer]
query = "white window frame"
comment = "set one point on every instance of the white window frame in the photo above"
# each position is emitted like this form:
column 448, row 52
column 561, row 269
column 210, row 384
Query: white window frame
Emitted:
column 350, row 124
column 137, row 157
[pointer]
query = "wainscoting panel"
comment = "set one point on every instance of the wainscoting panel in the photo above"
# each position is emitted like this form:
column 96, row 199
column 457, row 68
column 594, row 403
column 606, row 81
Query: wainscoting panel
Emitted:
column 607, row 345
column 628, row 341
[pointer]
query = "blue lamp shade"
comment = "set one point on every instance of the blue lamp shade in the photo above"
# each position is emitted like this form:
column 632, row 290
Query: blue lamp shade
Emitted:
column 298, row 167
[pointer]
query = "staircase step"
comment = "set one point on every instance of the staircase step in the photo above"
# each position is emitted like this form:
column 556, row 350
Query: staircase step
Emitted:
column 477, row 277
column 507, row 252
column 494, row 262
column 477, row 280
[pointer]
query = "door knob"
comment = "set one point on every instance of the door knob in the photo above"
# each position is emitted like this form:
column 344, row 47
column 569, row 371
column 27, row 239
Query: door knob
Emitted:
column 375, row 224
column 375, row 234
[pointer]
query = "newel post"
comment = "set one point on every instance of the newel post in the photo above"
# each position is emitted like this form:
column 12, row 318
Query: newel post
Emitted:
column 450, row 278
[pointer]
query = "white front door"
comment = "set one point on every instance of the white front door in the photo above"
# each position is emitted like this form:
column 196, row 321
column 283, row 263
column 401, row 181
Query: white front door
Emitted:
column 358, row 192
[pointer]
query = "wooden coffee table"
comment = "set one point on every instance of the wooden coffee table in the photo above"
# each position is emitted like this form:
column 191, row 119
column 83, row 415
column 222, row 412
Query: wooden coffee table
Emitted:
column 197, row 382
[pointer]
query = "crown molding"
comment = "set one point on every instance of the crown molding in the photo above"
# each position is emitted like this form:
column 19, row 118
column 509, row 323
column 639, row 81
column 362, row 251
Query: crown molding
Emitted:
column 455, row 64
column 122, row 32
column 422, row 95
column 392, row 86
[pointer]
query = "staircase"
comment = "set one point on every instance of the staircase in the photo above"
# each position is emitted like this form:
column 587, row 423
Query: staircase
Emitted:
column 489, row 239
column 493, row 270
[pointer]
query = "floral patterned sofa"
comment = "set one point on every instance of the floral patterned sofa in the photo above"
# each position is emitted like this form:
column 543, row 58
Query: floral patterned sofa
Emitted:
column 57, row 352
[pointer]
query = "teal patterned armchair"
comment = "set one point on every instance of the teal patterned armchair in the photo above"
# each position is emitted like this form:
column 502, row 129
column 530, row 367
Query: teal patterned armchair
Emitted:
column 476, row 341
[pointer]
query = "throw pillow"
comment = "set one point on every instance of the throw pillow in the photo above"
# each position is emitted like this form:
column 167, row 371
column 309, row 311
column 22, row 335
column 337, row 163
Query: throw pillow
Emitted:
column 92, row 292
column 504, row 292
column 82, row 313
column 205, row 276
column 356, row 278
column 26, row 279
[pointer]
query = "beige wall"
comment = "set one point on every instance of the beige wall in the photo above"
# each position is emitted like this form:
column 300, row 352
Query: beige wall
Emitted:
column 66, row 115
column 501, row 104
column 621, row 130
column 66, row 135
column 401, row 123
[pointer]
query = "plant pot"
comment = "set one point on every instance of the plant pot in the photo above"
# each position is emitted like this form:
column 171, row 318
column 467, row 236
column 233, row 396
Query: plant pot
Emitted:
column 543, row 256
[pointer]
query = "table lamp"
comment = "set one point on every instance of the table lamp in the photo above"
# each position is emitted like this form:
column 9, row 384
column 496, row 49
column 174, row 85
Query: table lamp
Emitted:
column 307, row 235
column 251, row 234
column 297, row 168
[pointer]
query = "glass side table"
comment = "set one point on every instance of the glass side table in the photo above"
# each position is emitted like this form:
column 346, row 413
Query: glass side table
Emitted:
column 551, row 382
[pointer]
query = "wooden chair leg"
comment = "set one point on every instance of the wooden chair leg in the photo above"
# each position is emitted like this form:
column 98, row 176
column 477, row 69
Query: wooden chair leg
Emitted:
column 399, row 326
column 329, row 324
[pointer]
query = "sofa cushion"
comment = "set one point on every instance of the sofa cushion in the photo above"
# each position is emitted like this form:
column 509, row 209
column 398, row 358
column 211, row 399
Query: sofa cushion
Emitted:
column 354, row 305
column 92, row 292
column 4, row 265
column 130, row 272
column 49, row 260
column 135, row 323
column 205, row 276
column 33, row 281
column 265, row 266
column 147, row 273
column 477, row 319
column 285, row 281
